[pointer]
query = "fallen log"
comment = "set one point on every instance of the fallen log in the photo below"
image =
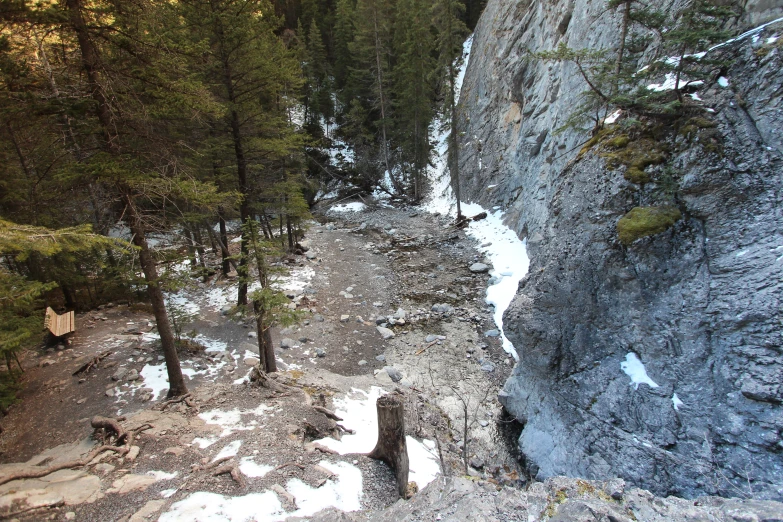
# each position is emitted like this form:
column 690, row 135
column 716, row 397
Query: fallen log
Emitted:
column 391, row 447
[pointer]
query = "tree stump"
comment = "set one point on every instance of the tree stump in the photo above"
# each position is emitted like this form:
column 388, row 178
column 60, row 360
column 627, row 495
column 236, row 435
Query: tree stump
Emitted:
column 391, row 447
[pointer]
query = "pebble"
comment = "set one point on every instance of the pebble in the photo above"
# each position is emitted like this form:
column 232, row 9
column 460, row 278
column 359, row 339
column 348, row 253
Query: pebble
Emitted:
column 318, row 318
column 492, row 333
column 252, row 335
column 345, row 318
column 133, row 375
column 380, row 358
column 362, row 362
column 430, row 338
column 385, row 332
column 287, row 343
column 479, row 268
column 320, row 352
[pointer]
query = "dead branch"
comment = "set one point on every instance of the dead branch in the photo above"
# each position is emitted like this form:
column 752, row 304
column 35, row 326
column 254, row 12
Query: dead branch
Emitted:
column 232, row 470
column 92, row 363
column 292, row 463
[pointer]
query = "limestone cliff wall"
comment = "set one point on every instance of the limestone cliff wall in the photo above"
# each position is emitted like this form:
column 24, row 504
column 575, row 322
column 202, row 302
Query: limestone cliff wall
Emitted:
column 700, row 304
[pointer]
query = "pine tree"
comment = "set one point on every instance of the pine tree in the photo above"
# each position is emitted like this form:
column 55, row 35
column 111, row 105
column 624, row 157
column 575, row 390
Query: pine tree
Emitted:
column 451, row 31
column 372, row 48
column 343, row 37
column 254, row 78
column 414, row 89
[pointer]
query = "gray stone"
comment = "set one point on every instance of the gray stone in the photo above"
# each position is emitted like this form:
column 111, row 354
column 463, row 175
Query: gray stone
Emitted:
column 320, row 352
column 120, row 374
column 430, row 338
column 345, row 318
column 287, row 343
column 400, row 314
column 476, row 463
column 394, row 373
column 443, row 308
column 488, row 366
column 311, row 255
column 380, row 358
column 385, row 332
column 362, row 363
column 252, row 361
column 226, row 310
column 252, row 335
column 318, row 318
column 479, row 268
column 492, row 333
column 133, row 375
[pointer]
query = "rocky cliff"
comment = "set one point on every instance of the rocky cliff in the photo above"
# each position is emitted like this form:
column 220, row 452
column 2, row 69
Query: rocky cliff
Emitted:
column 658, row 360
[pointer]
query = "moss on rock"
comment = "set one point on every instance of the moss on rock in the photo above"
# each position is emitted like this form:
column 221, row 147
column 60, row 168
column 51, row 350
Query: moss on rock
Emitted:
column 636, row 155
column 646, row 221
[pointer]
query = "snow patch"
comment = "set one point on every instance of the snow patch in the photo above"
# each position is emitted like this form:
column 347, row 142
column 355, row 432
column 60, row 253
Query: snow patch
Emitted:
column 723, row 82
column 250, row 469
column 634, row 369
column 230, row 450
column 676, row 402
column 212, row 507
column 162, row 475
column 231, row 420
column 155, row 378
column 354, row 206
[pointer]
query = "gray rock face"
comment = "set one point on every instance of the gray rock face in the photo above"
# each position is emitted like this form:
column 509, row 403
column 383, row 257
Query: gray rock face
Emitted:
column 564, row 500
column 699, row 304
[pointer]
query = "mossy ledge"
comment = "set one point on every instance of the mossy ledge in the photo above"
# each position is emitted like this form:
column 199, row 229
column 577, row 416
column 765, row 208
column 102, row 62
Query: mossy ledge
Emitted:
column 646, row 221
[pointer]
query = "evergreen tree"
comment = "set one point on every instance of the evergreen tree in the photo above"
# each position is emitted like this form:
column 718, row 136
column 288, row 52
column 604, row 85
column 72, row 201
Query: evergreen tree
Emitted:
column 414, row 88
column 254, row 78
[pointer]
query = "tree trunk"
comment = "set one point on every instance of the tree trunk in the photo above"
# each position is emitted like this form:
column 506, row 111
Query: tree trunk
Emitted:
column 196, row 233
column 391, row 447
column 176, row 381
column 266, row 349
column 224, row 245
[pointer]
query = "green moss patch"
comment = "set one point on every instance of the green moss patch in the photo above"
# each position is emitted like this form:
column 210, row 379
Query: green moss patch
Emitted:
column 636, row 155
column 646, row 221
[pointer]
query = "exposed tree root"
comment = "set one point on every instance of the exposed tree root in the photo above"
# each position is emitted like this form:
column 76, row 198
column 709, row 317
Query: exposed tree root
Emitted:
column 109, row 426
column 97, row 423
column 330, row 414
column 187, row 399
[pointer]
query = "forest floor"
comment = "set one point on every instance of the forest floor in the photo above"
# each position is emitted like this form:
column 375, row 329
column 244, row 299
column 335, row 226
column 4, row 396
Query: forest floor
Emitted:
column 398, row 268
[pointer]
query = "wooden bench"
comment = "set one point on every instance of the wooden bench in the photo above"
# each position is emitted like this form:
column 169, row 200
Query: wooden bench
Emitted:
column 59, row 325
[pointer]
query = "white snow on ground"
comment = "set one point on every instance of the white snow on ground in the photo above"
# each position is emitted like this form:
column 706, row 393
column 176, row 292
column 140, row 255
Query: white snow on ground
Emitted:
column 297, row 279
column 156, row 378
column 751, row 32
column 204, row 442
column 677, row 402
column 162, row 475
column 359, row 413
column 344, row 493
column 634, row 369
column 212, row 507
column 231, row 420
column 354, row 206
column 723, row 82
column 507, row 252
column 230, row 450
column 250, row 469
column 509, row 261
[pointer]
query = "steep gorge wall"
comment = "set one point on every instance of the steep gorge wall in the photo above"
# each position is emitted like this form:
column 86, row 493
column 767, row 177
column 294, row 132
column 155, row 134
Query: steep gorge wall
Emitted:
column 700, row 304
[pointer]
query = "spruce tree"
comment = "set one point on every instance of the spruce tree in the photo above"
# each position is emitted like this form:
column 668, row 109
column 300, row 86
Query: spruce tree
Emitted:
column 414, row 87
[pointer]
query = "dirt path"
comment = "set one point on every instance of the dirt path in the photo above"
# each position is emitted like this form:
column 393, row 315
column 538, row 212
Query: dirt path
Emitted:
column 384, row 267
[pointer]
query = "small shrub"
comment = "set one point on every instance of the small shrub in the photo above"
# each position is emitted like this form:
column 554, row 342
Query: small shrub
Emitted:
column 646, row 221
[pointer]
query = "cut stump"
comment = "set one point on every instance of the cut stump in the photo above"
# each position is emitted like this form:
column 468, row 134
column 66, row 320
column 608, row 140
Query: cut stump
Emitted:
column 391, row 447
